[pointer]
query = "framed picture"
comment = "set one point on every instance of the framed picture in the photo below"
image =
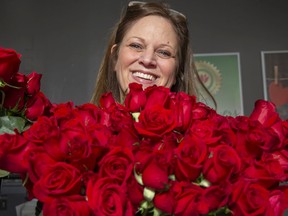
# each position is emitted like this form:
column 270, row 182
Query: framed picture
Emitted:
column 275, row 79
column 221, row 75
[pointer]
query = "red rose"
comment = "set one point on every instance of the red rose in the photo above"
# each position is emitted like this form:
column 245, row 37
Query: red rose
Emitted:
column 155, row 122
column 165, row 201
column 135, row 192
column 250, row 199
column 100, row 135
column 63, row 111
column 190, row 156
column 61, row 179
column 206, row 131
column 282, row 158
column 107, row 100
column 253, row 139
column 91, row 115
column 279, row 200
column 184, row 104
column 223, row 163
column 127, row 137
column 9, row 64
column 13, row 147
column 37, row 106
column 15, row 97
column 217, row 196
column 118, row 163
column 78, row 143
column 266, row 172
column 38, row 162
column 75, row 205
column 155, row 172
column 265, row 113
column 189, row 199
column 136, row 98
column 202, row 111
column 157, row 95
column 119, row 117
column 37, row 133
column 106, row 197
column 33, row 83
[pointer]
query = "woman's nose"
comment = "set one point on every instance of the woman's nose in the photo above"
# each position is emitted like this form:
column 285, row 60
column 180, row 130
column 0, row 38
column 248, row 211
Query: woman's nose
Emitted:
column 147, row 58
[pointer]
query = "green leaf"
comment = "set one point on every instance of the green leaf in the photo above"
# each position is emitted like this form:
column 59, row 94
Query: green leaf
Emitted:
column 3, row 173
column 9, row 123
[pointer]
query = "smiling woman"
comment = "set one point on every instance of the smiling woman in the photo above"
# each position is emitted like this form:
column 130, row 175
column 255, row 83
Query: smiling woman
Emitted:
column 146, row 55
column 150, row 46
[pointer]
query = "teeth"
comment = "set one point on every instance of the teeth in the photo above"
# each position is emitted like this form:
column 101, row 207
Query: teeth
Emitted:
column 144, row 76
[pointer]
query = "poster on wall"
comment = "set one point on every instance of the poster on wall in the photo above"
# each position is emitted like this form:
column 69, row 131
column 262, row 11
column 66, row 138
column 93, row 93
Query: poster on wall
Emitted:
column 221, row 75
column 275, row 79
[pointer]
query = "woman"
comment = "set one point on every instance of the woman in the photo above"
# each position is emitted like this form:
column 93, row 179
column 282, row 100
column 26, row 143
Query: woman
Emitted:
column 150, row 45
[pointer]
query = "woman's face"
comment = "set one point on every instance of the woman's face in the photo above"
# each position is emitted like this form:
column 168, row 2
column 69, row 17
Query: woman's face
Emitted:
column 147, row 54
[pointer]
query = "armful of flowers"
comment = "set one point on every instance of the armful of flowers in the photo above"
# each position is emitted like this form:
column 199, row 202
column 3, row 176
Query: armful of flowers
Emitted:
column 160, row 153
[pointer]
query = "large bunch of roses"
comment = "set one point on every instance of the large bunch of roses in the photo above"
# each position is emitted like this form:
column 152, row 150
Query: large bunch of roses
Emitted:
column 20, row 94
column 21, row 102
column 158, row 153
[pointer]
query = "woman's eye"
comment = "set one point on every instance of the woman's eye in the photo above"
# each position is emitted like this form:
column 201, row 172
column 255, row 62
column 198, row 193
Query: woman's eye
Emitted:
column 135, row 46
column 164, row 54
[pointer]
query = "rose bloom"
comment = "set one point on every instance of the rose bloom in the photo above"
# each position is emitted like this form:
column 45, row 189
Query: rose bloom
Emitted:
column 157, row 95
column 117, row 163
column 282, row 157
column 107, row 100
column 190, row 156
column 36, row 106
column 155, row 171
column 217, row 196
column 9, row 64
column 135, row 192
column 62, row 179
column 33, row 83
column 206, row 131
column 223, row 164
column 106, row 197
column 265, row 112
column 189, row 200
column 165, row 201
column 253, row 139
column 202, row 111
column 155, row 122
column 183, row 104
column 136, row 98
column 75, row 205
column 81, row 143
column 119, row 117
column 38, row 162
column 250, row 199
column 13, row 147
column 127, row 137
column 279, row 200
column 15, row 97
column 91, row 115
column 268, row 171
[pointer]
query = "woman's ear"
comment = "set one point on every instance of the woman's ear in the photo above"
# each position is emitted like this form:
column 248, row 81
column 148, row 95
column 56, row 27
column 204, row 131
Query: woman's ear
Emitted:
column 113, row 48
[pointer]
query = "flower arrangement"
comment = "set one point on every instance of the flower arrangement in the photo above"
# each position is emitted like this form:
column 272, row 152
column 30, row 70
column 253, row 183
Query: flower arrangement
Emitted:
column 21, row 102
column 159, row 153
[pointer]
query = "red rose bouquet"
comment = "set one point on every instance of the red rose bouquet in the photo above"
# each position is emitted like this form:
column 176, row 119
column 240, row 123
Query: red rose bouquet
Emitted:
column 21, row 102
column 160, row 153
